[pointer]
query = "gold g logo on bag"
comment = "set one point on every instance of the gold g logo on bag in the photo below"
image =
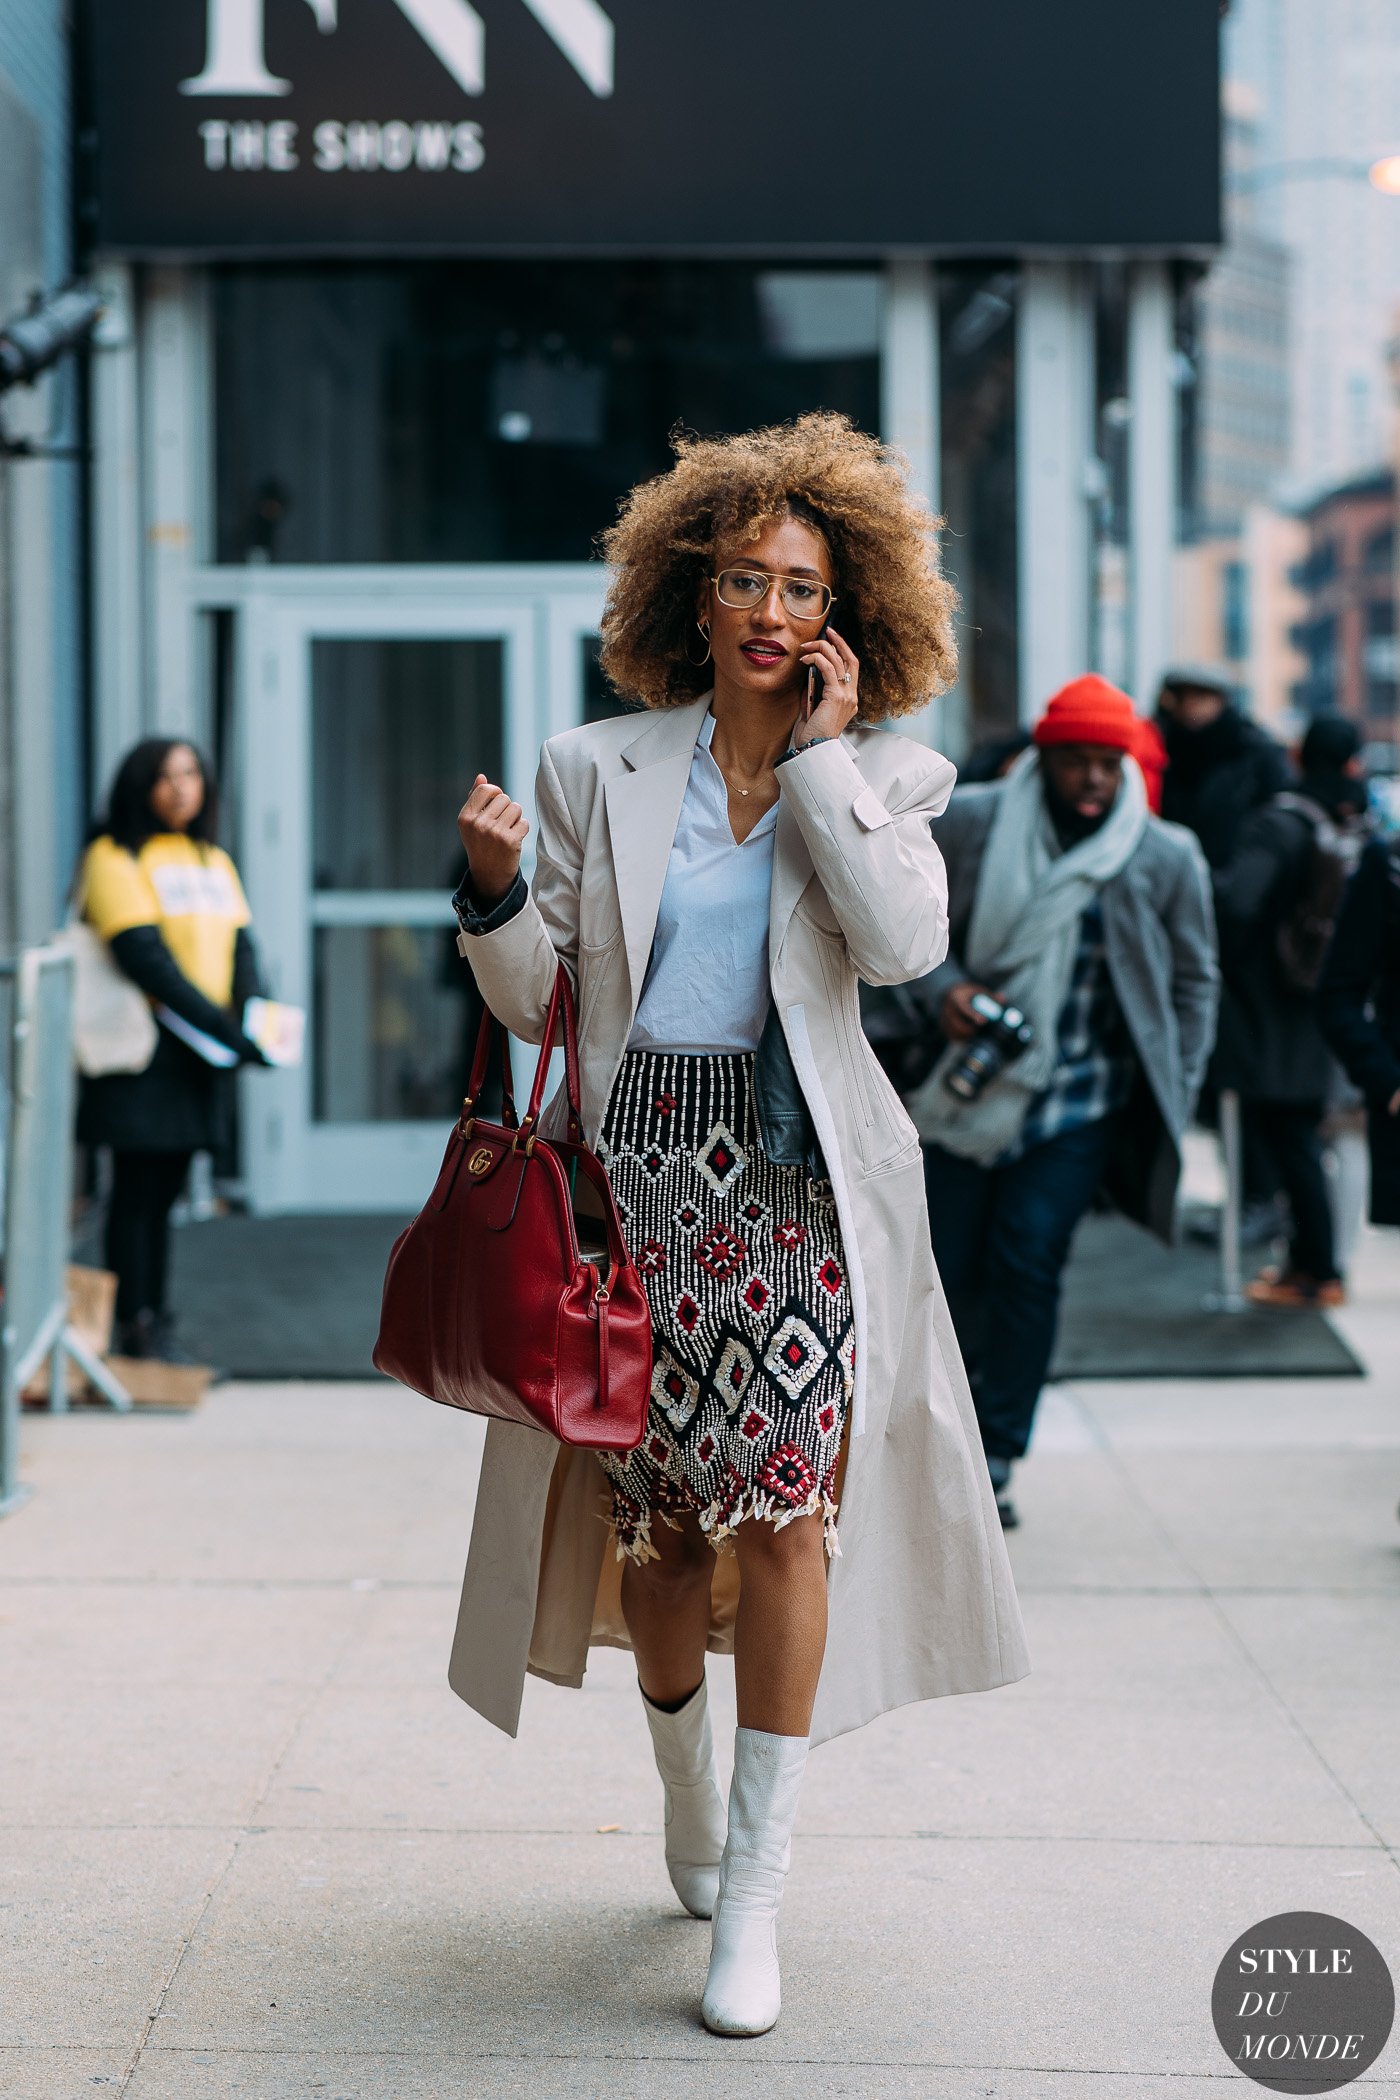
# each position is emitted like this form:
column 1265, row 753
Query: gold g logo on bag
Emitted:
column 480, row 1160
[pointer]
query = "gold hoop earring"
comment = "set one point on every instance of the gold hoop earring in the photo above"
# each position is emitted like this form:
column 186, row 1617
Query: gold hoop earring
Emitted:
column 698, row 663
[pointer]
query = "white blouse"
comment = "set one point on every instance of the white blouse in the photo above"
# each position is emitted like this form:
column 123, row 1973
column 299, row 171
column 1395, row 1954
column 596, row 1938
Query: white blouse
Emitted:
column 706, row 987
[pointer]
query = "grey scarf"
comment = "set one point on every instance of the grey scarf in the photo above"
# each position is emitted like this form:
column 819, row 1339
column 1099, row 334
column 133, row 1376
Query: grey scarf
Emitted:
column 1022, row 941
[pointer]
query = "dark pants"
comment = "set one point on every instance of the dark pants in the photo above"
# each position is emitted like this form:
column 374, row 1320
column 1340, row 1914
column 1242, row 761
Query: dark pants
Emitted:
column 1288, row 1135
column 144, row 1188
column 1001, row 1237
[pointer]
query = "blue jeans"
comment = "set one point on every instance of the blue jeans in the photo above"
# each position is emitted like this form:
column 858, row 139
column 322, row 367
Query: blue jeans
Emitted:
column 1001, row 1237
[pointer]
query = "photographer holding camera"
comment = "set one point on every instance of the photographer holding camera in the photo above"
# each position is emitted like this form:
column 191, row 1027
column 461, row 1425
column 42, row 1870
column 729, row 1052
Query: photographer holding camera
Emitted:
column 1069, row 1028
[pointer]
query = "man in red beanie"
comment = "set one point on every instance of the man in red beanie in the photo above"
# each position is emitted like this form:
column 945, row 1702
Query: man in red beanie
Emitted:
column 1074, row 1016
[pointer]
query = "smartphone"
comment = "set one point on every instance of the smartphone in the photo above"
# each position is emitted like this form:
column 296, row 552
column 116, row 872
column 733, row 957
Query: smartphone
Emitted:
column 810, row 700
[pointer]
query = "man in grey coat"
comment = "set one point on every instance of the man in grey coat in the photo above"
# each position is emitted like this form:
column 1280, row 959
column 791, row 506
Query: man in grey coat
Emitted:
column 1092, row 918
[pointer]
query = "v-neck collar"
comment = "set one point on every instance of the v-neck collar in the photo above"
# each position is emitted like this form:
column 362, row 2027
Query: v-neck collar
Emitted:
column 766, row 823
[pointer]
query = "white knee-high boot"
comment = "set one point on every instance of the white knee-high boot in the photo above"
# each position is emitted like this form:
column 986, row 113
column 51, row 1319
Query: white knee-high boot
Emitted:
column 685, row 1758
column 743, row 1993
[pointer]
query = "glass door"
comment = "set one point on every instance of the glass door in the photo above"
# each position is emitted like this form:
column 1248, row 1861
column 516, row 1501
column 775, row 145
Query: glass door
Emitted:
column 366, row 717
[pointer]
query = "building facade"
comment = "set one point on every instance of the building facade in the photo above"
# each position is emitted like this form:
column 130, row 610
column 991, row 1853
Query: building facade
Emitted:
column 1235, row 602
column 397, row 315
column 1324, row 78
column 1243, row 386
column 1239, row 607
column 1346, row 632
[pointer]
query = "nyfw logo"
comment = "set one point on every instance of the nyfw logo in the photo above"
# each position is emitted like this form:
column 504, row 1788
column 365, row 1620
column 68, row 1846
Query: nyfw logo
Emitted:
column 452, row 29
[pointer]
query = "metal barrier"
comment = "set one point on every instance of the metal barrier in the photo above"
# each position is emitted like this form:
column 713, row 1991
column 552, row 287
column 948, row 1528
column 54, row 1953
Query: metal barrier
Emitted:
column 38, row 1176
column 1230, row 1297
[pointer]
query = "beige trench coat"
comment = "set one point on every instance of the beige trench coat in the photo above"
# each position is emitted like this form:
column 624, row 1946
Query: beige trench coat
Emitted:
column 921, row 1597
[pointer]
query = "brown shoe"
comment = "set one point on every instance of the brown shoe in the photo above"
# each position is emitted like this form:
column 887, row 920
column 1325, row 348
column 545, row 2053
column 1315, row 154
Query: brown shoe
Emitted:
column 1290, row 1287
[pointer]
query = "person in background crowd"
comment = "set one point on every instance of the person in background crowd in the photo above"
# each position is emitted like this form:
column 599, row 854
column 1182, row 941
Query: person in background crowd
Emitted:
column 1277, row 895
column 1220, row 765
column 1068, row 898
column 994, row 757
column 169, row 904
column 1150, row 751
column 1358, row 1011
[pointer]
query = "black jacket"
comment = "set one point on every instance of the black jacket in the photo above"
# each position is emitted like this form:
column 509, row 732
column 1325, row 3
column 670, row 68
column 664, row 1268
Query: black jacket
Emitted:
column 179, row 1103
column 1269, row 1046
column 1216, row 776
column 1358, row 1010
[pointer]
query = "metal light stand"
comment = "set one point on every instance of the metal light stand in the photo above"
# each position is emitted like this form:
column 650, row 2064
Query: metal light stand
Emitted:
column 1230, row 1297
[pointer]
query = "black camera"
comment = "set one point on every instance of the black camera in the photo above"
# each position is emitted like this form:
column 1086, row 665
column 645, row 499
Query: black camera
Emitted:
column 1003, row 1035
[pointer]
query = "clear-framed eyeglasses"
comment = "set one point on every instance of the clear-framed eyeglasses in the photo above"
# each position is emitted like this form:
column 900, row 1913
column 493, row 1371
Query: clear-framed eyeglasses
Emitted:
column 803, row 596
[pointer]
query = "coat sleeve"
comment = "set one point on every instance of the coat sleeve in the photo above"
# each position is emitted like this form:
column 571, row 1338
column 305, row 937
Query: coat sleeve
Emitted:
column 1190, row 923
column 1348, row 982
column 515, row 964
column 140, row 953
column 247, row 971
column 957, row 834
column 883, row 875
column 913, row 1012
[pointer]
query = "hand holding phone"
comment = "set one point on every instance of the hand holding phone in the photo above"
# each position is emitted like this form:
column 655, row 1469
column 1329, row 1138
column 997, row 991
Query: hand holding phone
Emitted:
column 833, row 695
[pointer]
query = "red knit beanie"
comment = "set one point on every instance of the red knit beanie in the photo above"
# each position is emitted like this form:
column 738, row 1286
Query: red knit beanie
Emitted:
column 1089, row 711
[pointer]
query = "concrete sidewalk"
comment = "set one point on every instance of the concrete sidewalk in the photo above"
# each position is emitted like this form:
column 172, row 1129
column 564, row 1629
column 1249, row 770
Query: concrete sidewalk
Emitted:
column 254, row 1847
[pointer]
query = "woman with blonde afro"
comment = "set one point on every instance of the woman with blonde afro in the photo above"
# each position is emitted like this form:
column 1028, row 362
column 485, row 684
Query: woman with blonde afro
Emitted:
column 717, row 874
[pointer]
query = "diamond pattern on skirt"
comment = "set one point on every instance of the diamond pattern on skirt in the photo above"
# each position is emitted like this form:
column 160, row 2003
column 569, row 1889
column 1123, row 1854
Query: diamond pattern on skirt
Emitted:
column 757, row 1294
column 751, row 1385
column 788, row 1475
column 721, row 1159
column 731, row 1373
column 673, row 1389
column 795, row 1354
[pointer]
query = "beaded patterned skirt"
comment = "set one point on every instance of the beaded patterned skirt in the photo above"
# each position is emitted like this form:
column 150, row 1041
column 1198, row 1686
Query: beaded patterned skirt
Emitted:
column 753, row 1339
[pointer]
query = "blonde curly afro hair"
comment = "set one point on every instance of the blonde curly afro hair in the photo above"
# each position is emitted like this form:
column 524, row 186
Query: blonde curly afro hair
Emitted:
column 894, row 608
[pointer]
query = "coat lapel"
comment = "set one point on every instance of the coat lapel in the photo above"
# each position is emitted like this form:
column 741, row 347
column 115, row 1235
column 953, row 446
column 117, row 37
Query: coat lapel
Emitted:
column 644, row 807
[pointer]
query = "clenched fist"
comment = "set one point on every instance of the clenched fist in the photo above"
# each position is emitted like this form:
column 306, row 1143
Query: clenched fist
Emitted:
column 493, row 831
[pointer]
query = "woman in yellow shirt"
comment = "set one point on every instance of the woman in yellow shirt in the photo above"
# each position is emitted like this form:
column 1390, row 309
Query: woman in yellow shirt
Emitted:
column 171, row 908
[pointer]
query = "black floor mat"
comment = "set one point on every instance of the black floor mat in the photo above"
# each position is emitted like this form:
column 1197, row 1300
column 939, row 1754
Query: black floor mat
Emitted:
column 299, row 1298
column 294, row 1297
column 1136, row 1309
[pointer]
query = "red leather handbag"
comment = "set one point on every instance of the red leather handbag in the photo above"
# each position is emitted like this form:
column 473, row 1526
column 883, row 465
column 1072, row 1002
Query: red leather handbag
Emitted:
column 512, row 1293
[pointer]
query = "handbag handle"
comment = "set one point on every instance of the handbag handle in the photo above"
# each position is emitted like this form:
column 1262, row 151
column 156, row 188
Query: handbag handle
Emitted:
column 477, row 1079
column 561, row 1004
column 561, row 1001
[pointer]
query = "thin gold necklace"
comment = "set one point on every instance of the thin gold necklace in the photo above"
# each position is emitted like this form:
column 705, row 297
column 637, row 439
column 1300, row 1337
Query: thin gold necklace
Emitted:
column 733, row 783
column 725, row 775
